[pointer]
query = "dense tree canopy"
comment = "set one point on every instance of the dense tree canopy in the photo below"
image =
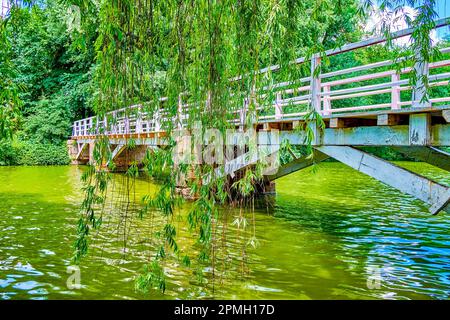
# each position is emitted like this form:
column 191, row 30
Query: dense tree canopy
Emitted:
column 50, row 77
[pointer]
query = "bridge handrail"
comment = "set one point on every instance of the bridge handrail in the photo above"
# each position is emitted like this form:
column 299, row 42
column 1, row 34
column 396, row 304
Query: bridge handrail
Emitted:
column 356, row 45
column 317, row 93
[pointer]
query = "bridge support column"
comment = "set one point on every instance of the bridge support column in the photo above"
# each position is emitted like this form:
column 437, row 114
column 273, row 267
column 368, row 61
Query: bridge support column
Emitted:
column 433, row 193
column 123, row 157
column 182, row 187
column 78, row 152
column 446, row 115
column 91, row 153
column 116, row 151
column 420, row 129
column 268, row 187
column 72, row 149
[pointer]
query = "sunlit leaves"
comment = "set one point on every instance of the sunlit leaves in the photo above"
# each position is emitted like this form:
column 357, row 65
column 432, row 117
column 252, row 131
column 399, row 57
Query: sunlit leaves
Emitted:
column 9, row 90
column 152, row 277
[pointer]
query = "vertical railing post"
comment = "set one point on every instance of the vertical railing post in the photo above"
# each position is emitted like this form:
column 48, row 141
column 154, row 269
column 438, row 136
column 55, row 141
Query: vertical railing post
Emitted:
column 157, row 120
column 85, row 127
column 105, row 124
column 395, row 93
column 315, row 82
column 114, row 123
column 278, row 107
column 97, row 126
column 242, row 114
column 180, row 112
column 419, row 90
column 138, row 126
column 126, row 124
column 420, row 123
column 326, row 100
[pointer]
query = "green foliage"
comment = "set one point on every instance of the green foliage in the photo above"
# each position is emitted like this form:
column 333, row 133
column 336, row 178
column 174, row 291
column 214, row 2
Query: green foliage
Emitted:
column 153, row 277
column 387, row 153
column 31, row 153
column 9, row 90
column 48, row 122
column 94, row 198
column 50, row 65
column 46, row 71
column 8, row 155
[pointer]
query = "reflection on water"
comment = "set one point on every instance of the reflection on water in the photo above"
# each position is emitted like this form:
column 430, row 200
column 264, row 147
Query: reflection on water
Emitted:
column 330, row 234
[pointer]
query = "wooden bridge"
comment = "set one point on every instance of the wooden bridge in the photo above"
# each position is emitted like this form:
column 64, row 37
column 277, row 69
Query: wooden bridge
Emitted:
column 415, row 126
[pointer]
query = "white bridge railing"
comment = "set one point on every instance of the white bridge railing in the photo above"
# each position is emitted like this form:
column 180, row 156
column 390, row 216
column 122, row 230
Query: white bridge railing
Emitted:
column 328, row 93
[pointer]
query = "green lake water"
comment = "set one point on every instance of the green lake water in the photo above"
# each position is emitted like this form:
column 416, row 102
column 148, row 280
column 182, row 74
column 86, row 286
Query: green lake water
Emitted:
column 329, row 234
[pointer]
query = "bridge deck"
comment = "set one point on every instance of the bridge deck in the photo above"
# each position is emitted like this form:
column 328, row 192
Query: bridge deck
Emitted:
column 357, row 128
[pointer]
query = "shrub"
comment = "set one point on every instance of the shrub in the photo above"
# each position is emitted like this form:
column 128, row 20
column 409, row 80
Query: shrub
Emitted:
column 34, row 154
column 8, row 155
column 31, row 153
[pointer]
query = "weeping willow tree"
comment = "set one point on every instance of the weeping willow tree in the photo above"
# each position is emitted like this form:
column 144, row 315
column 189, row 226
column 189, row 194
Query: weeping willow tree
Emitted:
column 208, row 55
